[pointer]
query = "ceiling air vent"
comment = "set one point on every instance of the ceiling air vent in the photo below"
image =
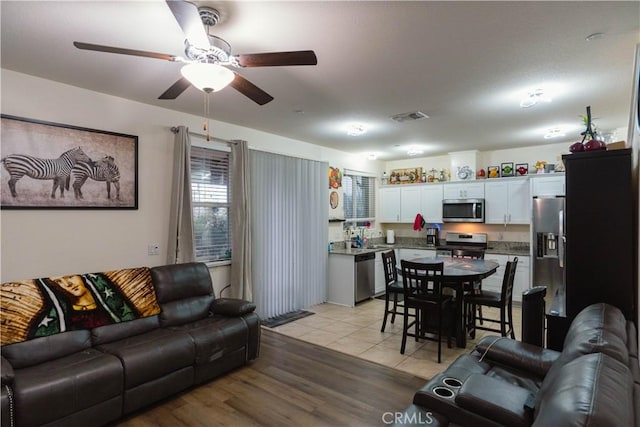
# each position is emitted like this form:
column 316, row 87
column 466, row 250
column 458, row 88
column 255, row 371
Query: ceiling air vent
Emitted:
column 407, row 117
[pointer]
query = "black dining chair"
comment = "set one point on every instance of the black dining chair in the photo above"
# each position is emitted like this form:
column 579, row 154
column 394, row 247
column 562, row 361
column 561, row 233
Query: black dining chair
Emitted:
column 393, row 288
column 475, row 287
column 423, row 293
column 502, row 300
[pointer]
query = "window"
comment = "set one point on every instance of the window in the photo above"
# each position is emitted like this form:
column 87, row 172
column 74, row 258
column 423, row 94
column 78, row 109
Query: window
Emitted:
column 359, row 198
column 210, row 195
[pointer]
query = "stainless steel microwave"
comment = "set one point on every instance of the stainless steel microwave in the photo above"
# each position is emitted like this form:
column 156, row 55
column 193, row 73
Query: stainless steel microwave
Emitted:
column 463, row 210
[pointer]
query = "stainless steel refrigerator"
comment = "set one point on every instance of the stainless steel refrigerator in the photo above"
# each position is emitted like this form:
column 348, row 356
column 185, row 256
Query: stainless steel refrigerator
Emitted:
column 548, row 255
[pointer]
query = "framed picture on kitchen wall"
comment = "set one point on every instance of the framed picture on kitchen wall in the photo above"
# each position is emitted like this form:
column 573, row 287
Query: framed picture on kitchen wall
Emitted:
column 336, row 193
column 522, row 169
column 55, row 166
column 493, row 172
column 506, row 169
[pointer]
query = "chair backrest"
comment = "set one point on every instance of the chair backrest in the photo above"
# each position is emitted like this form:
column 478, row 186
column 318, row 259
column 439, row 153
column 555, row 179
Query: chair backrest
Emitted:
column 389, row 264
column 467, row 253
column 422, row 279
column 507, row 281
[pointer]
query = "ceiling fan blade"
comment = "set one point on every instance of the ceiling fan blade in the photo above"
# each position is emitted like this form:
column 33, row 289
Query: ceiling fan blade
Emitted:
column 250, row 90
column 122, row 51
column 176, row 89
column 189, row 20
column 276, row 59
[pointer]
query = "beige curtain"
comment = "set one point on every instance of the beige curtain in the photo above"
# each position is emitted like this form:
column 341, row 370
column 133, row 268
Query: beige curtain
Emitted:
column 181, row 246
column 241, row 281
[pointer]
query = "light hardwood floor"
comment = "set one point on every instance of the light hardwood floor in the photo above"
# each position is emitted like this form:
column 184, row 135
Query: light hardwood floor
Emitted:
column 333, row 368
column 292, row 383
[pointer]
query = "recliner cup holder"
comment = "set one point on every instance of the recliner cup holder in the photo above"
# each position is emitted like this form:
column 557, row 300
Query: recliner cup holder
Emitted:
column 452, row 382
column 443, row 392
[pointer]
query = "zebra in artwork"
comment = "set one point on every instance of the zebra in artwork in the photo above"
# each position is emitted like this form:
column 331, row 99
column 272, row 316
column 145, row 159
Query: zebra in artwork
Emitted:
column 58, row 170
column 101, row 170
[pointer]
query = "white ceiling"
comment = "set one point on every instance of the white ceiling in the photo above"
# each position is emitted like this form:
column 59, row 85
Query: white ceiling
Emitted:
column 465, row 64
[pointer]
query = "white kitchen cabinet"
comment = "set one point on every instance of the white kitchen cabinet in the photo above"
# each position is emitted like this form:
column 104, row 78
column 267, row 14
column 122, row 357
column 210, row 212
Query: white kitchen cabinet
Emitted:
column 547, row 185
column 410, row 203
column 520, row 282
column 389, row 205
column 467, row 190
column 494, row 282
column 431, row 203
column 507, row 202
column 403, row 203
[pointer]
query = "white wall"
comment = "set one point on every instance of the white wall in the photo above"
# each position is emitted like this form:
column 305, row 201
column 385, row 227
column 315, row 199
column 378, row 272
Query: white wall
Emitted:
column 38, row 243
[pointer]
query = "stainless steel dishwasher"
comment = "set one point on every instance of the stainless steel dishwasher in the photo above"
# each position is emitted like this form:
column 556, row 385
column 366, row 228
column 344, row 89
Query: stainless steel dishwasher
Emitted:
column 364, row 276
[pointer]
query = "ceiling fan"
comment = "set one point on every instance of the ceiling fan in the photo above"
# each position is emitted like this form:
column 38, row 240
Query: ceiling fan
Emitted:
column 207, row 56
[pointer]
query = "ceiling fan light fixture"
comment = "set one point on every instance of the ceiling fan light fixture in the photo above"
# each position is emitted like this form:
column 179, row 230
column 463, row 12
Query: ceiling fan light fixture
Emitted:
column 207, row 77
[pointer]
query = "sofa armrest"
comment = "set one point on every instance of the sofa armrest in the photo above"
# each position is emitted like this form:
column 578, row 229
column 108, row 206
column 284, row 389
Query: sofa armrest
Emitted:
column 232, row 307
column 516, row 354
column 6, row 370
column 496, row 400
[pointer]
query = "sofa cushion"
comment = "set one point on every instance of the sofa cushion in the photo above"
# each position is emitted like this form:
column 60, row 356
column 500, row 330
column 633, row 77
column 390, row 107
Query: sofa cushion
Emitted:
column 495, row 399
column 151, row 355
column 599, row 316
column 6, row 370
column 53, row 390
column 592, row 390
column 520, row 355
column 184, row 291
column 39, row 350
column 109, row 333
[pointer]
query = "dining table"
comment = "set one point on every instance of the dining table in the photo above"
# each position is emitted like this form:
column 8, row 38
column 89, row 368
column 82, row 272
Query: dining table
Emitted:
column 457, row 273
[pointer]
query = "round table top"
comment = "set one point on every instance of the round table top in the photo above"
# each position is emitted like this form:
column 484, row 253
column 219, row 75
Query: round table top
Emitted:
column 462, row 268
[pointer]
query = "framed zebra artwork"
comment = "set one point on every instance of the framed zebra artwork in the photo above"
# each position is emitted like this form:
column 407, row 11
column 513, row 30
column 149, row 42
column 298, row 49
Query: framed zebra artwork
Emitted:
column 54, row 166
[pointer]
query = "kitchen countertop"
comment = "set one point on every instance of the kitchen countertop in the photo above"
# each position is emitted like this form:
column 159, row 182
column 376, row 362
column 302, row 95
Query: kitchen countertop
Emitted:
column 497, row 247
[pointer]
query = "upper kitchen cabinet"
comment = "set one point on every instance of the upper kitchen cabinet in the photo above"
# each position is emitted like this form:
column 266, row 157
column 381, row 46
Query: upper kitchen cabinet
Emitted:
column 507, row 201
column 548, row 185
column 467, row 190
column 403, row 203
column 389, row 205
column 431, row 202
column 410, row 203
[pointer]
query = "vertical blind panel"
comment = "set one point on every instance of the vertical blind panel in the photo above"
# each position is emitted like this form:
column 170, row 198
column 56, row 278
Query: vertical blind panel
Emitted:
column 210, row 195
column 290, row 225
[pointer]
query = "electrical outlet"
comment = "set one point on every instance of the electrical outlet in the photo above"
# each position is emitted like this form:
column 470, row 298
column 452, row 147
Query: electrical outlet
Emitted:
column 153, row 249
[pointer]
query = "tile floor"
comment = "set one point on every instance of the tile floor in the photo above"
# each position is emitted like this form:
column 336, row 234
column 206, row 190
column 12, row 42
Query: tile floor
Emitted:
column 356, row 331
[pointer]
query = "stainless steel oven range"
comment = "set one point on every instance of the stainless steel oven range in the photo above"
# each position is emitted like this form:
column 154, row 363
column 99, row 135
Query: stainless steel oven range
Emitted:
column 472, row 241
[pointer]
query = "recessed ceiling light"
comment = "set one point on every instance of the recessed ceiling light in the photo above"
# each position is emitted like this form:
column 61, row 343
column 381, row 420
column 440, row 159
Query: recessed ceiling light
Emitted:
column 554, row 133
column 372, row 156
column 355, row 129
column 414, row 151
column 534, row 97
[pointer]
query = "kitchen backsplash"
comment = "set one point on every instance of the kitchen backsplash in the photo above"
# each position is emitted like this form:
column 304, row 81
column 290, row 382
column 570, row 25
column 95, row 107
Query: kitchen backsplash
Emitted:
column 495, row 232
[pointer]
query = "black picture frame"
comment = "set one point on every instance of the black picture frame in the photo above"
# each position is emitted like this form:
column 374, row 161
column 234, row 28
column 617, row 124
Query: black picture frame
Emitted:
column 522, row 165
column 49, row 165
column 493, row 172
column 506, row 169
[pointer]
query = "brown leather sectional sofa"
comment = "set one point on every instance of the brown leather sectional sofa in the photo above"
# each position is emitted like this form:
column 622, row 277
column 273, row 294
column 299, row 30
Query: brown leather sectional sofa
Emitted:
column 594, row 381
column 94, row 376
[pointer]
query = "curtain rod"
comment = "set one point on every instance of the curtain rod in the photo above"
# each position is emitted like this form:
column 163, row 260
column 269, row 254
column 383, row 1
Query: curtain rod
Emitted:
column 174, row 129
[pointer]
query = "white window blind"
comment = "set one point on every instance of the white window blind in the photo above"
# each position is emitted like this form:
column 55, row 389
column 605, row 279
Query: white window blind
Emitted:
column 359, row 197
column 210, row 185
